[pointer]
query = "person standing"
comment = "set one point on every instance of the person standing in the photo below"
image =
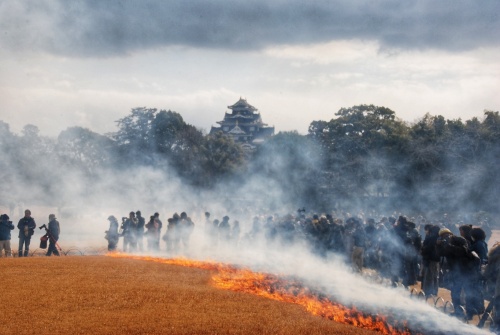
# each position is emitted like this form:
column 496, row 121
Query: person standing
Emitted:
column 5, row 227
column 186, row 226
column 455, row 250
column 130, row 233
column 26, row 228
column 53, row 230
column 430, row 261
column 359, row 245
column 492, row 277
column 153, row 233
column 156, row 216
column 112, row 233
column 141, row 223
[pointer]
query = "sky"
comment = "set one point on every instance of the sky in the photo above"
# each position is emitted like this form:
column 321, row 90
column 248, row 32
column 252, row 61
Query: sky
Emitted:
column 89, row 63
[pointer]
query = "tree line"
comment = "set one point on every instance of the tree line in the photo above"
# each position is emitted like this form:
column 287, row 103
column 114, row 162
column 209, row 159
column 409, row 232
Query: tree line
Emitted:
column 363, row 157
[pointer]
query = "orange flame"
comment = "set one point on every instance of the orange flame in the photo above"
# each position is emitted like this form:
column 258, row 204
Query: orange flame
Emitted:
column 273, row 287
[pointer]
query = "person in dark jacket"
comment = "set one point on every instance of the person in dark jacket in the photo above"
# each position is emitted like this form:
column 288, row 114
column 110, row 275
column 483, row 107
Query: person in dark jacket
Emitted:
column 359, row 245
column 160, row 226
column 141, row 223
column 26, row 228
column 5, row 227
column 465, row 233
column 53, row 231
column 462, row 271
column 153, row 232
column 492, row 276
column 430, row 260
column 129, row 227
column 479, row 245
column 412, row 253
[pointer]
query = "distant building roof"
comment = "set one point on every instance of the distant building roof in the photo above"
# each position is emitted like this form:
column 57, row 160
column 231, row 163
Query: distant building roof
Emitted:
column 242, row 105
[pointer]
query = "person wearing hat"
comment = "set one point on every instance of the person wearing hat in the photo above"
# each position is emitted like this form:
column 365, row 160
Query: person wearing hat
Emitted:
column 112, row 233
column 5, row 227
column 54, row 230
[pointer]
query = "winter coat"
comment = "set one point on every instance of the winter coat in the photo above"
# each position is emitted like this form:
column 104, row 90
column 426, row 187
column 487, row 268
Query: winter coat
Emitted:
column 5, row 227
column 153, row 228
column 481, row 249
column 30, row 223
column 359, row 237
column 456, row 252
column 141, row 222
column 429, row 252
column 54, row 229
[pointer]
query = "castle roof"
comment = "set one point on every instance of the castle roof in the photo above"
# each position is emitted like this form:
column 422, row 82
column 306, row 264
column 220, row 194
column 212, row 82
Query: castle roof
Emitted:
column 242, row 105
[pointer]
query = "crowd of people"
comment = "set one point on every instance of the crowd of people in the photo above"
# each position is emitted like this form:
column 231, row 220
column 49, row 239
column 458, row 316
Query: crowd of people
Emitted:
column 134, row 229
column 26, row 226
column 436, row 253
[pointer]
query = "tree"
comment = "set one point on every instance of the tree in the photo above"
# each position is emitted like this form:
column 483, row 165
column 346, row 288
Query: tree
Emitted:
column 359, row 147
column 82, row 149
column 134, row 137
column 222, row 157
column 166, row 127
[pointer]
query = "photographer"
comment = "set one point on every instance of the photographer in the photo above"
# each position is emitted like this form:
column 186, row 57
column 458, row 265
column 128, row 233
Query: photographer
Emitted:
column 129, row 227
column 5, row 227
column 26, row 228
column 53, row 231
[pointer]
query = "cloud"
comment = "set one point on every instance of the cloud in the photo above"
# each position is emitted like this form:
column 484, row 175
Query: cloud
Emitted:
column 117, row 28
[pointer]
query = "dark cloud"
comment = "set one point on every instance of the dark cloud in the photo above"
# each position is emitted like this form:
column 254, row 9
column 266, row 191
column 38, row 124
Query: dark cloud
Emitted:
column 107, row 28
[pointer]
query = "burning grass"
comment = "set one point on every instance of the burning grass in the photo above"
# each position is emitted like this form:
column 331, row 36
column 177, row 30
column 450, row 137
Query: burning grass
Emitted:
column 103, row 295
column 284, row 290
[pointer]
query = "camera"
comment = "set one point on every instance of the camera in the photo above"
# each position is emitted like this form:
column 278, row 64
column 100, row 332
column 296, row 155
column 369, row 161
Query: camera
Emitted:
column 43, row 226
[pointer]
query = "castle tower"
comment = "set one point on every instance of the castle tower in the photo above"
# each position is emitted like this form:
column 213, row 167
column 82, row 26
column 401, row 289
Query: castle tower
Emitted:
column 244, row 124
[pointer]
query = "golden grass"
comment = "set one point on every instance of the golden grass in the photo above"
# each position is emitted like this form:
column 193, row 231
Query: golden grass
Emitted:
column 101, row 295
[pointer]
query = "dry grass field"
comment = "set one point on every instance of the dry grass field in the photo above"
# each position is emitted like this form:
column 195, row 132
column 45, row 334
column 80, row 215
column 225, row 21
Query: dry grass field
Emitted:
column 103, row 295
